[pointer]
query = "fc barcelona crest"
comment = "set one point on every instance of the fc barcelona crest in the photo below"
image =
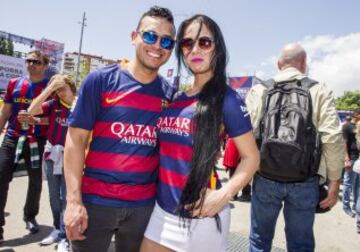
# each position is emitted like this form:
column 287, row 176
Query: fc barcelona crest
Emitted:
column 164, row 104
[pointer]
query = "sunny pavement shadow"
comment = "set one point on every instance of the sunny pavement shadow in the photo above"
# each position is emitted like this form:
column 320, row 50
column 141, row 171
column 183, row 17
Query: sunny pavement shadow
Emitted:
column 28, row 238
column 7, row 250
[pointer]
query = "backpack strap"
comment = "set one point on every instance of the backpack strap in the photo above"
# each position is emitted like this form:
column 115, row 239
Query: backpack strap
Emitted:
column 308, row 83
column 268, row 83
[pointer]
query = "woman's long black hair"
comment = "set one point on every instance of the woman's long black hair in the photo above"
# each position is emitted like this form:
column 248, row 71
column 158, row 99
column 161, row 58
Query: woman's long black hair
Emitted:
column 208, row 117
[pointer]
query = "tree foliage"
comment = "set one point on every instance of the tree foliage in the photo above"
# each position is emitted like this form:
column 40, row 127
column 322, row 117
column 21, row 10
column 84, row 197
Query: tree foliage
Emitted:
column 6, row 47
column 350, row 100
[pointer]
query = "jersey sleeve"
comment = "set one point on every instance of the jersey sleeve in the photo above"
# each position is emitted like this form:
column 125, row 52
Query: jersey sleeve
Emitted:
column 9, row 91
column 47, row 106
column 236, row 117
column 88, row 103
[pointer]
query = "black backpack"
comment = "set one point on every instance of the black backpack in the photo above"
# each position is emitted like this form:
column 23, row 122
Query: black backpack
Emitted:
column 288, row 140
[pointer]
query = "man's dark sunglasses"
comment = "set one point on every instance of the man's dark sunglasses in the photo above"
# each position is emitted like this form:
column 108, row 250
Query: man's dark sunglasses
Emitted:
column 33, row 61
column 151, row 37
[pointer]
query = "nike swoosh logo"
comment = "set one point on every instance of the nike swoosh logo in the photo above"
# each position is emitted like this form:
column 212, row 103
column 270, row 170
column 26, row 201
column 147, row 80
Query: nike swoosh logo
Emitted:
column 116, row 99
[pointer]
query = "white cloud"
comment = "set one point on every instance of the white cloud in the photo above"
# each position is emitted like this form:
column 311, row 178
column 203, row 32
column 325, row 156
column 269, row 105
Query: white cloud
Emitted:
column 333, row 60
column 261, row 74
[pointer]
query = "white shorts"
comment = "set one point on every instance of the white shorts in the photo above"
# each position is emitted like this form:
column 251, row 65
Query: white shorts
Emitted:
column 203, row 235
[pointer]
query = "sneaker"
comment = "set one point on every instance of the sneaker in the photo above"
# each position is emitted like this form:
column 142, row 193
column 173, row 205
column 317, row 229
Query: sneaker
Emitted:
column 51, row 238
column 32, row 226
column 63, row 246
column 349, row 212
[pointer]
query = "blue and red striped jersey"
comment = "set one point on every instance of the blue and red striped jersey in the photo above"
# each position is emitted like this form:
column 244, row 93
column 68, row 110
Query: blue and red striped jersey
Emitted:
column 19, row 93
column 176, row 143
column 58, row 112
column 122, row 163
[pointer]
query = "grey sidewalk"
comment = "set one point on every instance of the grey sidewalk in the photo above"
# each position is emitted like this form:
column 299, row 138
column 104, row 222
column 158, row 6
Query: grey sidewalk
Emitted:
column 334, row 231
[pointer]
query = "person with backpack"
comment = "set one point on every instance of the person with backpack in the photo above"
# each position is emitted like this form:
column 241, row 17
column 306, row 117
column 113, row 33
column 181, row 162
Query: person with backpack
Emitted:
column 296, row 126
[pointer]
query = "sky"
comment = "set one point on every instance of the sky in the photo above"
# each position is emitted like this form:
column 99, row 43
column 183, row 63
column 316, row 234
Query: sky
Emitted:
column 254, row 30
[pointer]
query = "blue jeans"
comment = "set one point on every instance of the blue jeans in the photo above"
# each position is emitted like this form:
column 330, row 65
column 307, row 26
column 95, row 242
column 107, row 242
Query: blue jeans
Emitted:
column 356, row 184
column 347, row 188
column 299, row 201
column 57, row 195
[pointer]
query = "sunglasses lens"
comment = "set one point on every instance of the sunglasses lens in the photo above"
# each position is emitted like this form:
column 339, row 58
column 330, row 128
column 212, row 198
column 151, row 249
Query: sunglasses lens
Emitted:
column 149, row 37
column 187, row 43
column 167, row 43
column 205, row 43
column 35, row 62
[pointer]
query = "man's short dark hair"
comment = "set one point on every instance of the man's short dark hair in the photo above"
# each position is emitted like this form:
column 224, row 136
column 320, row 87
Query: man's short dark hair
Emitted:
column 157, row 11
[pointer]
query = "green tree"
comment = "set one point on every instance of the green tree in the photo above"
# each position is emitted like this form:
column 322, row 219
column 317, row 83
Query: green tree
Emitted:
column 10, row 47
column 350, row 100
column 2, row 46
column 6, row 47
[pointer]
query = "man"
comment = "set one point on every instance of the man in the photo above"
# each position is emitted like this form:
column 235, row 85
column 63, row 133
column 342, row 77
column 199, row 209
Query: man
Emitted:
column 351, row 154
column 355, row 172
column 22, row 139
column 115, row 193
column 299, row 196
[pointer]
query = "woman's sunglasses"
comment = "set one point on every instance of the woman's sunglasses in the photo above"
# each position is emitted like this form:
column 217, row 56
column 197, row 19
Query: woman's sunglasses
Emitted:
column 151, row 37
column 33, row 61
column 204, row 43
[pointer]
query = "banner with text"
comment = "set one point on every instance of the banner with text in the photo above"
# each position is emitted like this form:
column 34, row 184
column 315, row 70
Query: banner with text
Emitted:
column 53, row 49
column 241, row 84
column 10, row 67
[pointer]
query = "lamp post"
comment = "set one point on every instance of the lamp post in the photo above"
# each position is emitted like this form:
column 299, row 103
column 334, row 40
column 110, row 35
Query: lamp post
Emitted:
column 80, row 45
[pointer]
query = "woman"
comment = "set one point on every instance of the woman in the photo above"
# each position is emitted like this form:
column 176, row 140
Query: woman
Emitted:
column 192, row 212
column 57, row 109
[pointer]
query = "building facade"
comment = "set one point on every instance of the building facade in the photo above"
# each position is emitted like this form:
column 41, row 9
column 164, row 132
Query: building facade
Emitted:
column 88, row 63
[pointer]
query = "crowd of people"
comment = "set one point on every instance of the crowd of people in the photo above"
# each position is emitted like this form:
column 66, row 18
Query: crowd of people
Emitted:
column 134, row 159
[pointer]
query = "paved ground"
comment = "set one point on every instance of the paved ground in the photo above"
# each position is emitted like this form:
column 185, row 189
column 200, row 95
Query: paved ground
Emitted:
column 334, row 231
